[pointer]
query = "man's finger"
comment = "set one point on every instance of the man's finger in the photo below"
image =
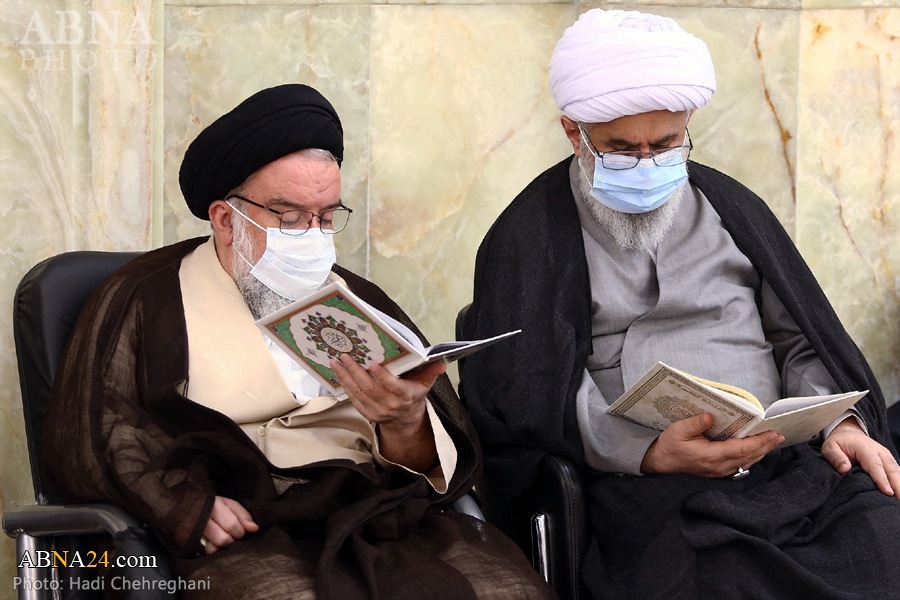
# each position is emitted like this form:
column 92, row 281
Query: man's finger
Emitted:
column 216, row 536
column 351, row 375
column 388, row 380
column 759, row 444
column 242, row 514
column 225, row 518
column 427, row 373
column 879, row 476
column 208, row 547
column 893, row 473
column 876, row 464
column 769, row 443
column 835, row 455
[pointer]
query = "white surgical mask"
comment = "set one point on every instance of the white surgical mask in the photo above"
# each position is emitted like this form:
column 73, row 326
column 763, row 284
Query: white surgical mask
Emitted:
column 293, row 266
column 639, row 189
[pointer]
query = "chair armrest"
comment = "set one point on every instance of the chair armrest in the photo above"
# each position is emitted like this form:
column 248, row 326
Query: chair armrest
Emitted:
column 467, row 505
column 561, row 500
column 42, row 520
column 129, row 538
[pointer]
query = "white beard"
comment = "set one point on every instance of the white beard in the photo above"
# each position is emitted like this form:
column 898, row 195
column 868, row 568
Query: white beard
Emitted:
column 260, row 299
column 639, row 231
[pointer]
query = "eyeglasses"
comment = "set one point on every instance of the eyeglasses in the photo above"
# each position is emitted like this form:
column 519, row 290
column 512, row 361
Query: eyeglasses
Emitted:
column 297, row 222
column 629, row 159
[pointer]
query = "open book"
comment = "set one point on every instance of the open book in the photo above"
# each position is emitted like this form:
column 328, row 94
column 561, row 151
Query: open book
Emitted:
column 334, row 321
column 664, row 395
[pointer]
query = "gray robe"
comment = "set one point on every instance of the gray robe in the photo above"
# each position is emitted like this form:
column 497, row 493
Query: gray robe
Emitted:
column 695, row 303
column 793, row 529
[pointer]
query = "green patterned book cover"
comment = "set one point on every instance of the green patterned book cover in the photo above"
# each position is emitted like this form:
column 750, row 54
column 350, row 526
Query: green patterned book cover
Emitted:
column 334, row 321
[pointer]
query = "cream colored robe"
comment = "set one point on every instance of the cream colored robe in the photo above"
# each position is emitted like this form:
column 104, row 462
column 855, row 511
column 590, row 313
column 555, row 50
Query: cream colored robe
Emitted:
column 233, row 370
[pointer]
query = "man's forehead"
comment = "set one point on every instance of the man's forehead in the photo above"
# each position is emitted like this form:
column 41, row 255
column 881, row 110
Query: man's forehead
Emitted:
column 297, row 182
column 651, row 126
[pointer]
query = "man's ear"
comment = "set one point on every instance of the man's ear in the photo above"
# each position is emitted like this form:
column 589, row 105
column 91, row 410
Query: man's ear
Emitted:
column 220, row 216
column 572, row 132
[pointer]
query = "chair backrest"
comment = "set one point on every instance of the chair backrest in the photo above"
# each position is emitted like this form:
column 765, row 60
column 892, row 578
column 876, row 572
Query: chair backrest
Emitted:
column 46, row 305
column 461, row 335
column 557, row 501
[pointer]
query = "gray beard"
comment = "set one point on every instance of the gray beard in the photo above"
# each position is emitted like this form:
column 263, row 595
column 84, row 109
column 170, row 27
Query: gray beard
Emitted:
column 260, row 299
column 640, row 231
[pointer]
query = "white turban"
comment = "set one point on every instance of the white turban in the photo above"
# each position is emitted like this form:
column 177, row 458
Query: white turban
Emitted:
column 614, row 63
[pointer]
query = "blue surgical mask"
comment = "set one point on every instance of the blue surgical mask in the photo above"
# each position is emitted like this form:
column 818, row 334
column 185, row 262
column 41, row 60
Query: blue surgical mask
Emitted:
column 639, row 189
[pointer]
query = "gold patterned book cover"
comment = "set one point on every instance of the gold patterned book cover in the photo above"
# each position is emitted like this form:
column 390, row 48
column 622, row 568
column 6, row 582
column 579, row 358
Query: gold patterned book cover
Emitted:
column 334, row 321
column 665, row 395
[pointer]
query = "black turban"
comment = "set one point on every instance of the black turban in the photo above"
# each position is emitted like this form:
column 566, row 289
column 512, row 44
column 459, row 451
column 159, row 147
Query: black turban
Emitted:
column 266, row 126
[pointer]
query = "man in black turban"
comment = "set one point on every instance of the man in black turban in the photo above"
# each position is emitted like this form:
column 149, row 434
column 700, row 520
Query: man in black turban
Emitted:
column 266, row 126
column 258, row 481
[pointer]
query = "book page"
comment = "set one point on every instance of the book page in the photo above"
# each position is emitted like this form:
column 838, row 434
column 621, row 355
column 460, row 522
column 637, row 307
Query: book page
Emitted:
column 665, row 395
column 731, row 391
column 804, row 423
column 450, row 351
column 786, row 405
column 400, row 328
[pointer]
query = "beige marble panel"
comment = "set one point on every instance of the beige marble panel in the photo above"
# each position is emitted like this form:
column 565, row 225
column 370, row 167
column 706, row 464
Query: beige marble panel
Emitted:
column 76, row 82
column 208, row 3
column 462, row 120
column 217, row 57
column 848, row 4
column 659, row 6
column 848, row 213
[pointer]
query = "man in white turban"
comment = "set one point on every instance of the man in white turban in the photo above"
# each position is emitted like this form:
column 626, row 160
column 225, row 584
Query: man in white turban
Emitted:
column 612, row 64
column 627, row 254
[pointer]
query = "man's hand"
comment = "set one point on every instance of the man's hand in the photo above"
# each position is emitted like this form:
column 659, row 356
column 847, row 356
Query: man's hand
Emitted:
column 396, row 406
column 682, row 448
column 848, row 445
column 228, row 521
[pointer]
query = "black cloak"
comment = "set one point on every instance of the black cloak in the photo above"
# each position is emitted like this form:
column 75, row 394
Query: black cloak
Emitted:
column 531, row 273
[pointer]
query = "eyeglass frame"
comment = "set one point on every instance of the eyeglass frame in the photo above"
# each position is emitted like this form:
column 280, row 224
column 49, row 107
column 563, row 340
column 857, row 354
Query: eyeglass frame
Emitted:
column 639, row 154
column 288, row 231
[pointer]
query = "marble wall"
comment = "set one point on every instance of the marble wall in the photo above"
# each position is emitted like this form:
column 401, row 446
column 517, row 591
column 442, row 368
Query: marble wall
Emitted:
column 447, row 116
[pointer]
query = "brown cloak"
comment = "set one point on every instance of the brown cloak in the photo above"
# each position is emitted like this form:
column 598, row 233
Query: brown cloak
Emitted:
column 118, row 430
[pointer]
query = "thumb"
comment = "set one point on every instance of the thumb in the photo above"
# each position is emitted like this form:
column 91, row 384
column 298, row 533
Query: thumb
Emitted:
column 427, row 373
column 696, row 425
column 837, row 456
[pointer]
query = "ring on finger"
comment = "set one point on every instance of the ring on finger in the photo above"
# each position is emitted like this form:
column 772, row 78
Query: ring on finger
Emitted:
column 741, row 473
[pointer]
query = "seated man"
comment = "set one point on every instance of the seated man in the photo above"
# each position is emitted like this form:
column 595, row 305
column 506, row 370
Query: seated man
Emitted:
column 626, row 255
column 171, row 403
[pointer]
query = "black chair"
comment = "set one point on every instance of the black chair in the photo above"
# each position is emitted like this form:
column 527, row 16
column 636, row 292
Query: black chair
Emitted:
column 893, row 418
column 46, row 304
column 551, row 524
